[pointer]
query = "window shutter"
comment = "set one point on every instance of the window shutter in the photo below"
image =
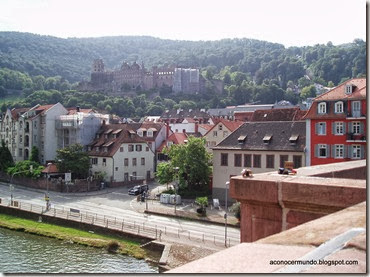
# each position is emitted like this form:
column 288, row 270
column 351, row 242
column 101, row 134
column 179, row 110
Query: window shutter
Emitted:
column 316, row 151
column 345, row 107
column 333, row 126
column 333, row 151
column 345, row 152
column 350, row 127
column 349, row 154
column 361, row 127
column 344, row 128
column 362, row 152
column 327, row 107
column 316, row 128
column 327, row 150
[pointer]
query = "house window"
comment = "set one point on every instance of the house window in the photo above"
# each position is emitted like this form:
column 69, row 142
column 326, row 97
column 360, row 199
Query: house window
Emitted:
column 224, row 159
column 321, row 128
column 133, row 161
column 321, row 108
column 104, row 162
column 149, row 133
column 215, row 133
column 139, row 147
column 142, row 161
column 220, row 127
column 125, row 162
column 356, row 151
column 283, row 159
column 147, row 149
column 116, row 168
column 297, row 161
column 130, row 147
column 356, row 127
column 339, row 151
column 121, row 149
column 356, row 108
column 247, row 160
column 270, row 161
column 94, row 160
column 322, row 151
column 338, row 128
column 257, row 161
column 338, row 107
column 238, row 160
column 20, row 152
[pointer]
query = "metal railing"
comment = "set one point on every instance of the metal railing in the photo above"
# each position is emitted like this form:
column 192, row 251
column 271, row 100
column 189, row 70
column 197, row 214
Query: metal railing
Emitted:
column 126, row 225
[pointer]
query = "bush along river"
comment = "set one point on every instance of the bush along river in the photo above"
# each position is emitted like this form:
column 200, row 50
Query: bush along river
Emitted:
column 22, row 252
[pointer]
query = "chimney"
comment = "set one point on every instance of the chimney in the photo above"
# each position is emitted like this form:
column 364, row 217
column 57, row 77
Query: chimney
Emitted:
column 167, row 130
column 196, row 127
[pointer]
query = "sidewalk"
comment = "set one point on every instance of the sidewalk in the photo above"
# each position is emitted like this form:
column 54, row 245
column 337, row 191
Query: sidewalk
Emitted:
column 186, row 210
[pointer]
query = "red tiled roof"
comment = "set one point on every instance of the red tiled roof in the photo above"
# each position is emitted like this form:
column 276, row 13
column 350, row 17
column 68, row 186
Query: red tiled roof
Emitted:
column 285, row 114
column 206, row 126
column 106, row 139
column 52, row 168
column 338, row 93
column 176, row 138
column 231, row 125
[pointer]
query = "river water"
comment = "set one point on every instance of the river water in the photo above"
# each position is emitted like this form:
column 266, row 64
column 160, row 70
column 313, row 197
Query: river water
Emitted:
column 25, row 253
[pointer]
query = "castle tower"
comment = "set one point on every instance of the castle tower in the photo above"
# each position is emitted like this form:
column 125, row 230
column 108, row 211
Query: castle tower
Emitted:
column 98, row 65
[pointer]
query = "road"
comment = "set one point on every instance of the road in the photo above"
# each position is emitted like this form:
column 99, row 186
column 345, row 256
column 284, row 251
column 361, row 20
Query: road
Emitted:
column 116, row 203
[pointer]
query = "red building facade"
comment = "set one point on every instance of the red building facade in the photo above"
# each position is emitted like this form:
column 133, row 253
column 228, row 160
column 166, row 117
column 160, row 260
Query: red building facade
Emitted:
column 336, row 124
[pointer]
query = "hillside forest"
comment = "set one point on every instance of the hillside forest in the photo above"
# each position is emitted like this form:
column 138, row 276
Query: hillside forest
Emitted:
column 46, row 70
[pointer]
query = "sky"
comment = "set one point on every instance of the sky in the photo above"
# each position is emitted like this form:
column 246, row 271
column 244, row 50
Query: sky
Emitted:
column 289, row 22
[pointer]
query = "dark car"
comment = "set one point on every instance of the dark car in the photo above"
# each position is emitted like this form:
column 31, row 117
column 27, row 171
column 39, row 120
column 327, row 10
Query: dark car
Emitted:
column 138, row 190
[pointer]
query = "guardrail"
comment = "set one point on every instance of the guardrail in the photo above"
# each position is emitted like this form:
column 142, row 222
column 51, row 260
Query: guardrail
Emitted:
column 144, row 229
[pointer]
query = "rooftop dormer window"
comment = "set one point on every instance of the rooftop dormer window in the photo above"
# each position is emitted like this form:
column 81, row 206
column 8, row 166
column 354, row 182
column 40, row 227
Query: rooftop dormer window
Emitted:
column 293, row 139
column 349, row 89
column 267, row 139
column 241, row 139
column 339, row 107
column 321, row 108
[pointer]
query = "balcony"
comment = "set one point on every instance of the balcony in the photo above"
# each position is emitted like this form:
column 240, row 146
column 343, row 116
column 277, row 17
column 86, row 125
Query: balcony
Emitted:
column 351, row 137
column 355, row 115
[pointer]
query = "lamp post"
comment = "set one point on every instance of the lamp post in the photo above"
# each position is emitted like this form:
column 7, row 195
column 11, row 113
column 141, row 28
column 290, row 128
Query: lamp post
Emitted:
column 11, row 187
column 225, row 216
column 176, row 169
column 47, row 178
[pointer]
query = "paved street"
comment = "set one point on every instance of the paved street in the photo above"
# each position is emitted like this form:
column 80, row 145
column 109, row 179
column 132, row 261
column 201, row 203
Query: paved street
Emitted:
column 116, row 203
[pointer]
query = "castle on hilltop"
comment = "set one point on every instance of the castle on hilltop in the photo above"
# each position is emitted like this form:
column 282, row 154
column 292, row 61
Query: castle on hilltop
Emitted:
column 135, row 77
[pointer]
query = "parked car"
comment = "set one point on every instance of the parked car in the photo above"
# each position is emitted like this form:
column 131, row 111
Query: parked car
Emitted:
column 136, row 190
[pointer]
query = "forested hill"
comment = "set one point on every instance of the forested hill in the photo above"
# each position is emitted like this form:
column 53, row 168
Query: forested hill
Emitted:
column 260, row 60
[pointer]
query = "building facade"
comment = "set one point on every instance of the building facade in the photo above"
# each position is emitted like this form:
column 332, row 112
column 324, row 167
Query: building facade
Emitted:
column 120, row 155
column 336, row 124
column 259, row 146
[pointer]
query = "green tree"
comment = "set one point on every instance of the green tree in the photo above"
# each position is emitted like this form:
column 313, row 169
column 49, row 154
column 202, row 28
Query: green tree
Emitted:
column 165, row 173
column 6, row 159
column 73, row 159
column 34, row 154
column 308, row 92
column 193, row 162
column 23, row 168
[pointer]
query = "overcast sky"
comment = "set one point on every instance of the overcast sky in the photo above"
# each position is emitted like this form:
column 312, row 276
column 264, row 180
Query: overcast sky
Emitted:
column 289, row 22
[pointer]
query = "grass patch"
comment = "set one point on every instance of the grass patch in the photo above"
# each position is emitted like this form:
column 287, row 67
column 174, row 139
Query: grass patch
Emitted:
column 122, row 246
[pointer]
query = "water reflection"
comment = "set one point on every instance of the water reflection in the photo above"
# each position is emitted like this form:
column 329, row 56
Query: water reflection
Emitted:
column 26, row 253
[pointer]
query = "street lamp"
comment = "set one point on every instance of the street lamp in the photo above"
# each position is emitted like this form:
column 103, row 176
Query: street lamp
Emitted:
column 11, row 187
column 47, row 178
column 225, row 216
column 176, row 170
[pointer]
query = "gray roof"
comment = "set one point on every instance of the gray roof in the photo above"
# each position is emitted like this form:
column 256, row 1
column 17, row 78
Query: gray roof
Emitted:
column 254, row 133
